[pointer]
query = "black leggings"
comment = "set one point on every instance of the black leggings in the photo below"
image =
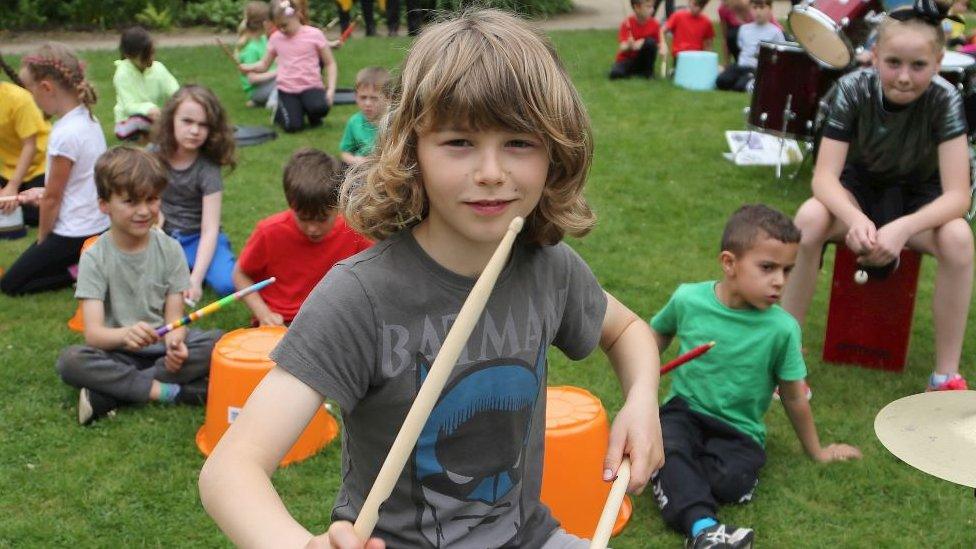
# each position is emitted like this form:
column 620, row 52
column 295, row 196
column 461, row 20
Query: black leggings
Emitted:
column 31, row 213
column 43, row 266
column 294, row 107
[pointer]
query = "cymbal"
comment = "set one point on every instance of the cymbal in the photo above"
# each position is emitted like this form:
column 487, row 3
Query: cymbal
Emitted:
column 933, row 432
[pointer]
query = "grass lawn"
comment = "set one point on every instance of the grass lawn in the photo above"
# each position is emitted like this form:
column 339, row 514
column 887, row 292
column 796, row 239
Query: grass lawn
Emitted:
column 662, row 192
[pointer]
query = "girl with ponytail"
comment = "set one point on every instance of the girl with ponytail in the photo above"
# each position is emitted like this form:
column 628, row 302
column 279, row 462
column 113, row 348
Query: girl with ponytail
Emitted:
column 69, row 212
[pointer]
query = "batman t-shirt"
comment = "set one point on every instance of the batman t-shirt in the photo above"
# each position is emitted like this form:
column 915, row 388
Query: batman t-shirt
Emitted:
column 367, row 336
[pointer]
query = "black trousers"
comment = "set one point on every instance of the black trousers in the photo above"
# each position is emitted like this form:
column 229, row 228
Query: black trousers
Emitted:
column 668, row 8
column 732, row 42
column 43, row 266
column 415, row 16
column 735, row 78
column 366, row 6
column 294, row 107
column 706, row 462
column 641, row 65
column 32, row 215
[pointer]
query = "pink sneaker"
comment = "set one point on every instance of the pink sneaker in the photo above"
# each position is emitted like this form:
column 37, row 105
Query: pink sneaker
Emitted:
column 955, row 383
column 806, row 387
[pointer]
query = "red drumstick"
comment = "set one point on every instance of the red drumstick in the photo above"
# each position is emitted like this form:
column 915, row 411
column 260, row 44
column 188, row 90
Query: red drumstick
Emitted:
column 690, row 355
column 347, row 33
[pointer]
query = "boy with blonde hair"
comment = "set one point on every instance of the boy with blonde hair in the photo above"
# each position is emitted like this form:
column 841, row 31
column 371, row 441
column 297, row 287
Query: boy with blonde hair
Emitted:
column 372, row 98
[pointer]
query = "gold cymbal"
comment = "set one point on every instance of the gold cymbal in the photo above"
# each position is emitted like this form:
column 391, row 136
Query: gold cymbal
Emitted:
column 933, row 432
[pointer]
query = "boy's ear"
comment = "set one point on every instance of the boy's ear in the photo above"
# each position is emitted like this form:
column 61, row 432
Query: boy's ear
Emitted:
column 103, row 206
column 727, row 259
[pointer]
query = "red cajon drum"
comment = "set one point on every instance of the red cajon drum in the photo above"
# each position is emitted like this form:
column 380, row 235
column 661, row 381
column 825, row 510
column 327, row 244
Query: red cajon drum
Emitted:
column 870, row 324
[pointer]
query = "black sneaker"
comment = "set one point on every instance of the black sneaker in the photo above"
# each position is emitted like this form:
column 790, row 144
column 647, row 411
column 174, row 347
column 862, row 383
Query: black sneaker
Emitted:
column 192, row 395
column 93, row 405
column 722, row 536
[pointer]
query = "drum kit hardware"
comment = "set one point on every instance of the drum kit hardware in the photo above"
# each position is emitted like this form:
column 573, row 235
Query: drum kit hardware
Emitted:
column 793, row 78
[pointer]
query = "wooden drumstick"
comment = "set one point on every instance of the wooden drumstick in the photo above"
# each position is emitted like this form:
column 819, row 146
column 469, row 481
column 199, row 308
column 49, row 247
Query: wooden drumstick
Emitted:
column 227, row 51
column 609, row 515
column 430, row 391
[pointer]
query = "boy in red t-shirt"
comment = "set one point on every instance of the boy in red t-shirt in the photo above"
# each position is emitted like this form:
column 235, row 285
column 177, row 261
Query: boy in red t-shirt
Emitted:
column 638, row 42
column 300, row 244
column 690, row 29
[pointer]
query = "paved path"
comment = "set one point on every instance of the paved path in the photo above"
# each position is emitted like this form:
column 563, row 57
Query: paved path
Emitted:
column 589, row 14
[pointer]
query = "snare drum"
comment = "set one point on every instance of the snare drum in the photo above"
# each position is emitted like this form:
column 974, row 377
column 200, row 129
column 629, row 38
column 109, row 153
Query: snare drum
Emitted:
column 831, row 30
column 960, row 70
column 787, row 91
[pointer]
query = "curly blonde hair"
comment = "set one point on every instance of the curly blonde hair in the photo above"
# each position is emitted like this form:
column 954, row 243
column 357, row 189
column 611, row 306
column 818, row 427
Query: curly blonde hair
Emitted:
column 490, row 70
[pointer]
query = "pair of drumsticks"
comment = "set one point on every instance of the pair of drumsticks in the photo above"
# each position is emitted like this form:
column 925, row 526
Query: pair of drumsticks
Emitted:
column 437, row 377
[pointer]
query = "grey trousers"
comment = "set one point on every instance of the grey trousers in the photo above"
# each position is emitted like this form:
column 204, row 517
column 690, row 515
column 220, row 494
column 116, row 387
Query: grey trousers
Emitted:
column 128, row 375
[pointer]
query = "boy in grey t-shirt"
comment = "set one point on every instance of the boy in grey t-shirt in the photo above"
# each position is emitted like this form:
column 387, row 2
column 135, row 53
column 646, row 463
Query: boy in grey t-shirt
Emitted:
column 738, row 77
column 129, row 281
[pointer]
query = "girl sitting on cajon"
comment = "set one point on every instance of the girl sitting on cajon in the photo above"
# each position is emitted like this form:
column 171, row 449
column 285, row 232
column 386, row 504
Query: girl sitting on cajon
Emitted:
column 893, row 170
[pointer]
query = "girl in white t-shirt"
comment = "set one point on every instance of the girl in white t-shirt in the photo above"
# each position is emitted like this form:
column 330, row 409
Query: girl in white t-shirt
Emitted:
column 68, row 202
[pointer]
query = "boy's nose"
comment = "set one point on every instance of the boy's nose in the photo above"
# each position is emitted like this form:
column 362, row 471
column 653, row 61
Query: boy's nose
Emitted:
column 490, row 171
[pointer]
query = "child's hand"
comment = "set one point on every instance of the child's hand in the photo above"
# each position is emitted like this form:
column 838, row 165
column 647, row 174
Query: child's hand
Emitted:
column 8, row 206
column 194, row 292
column 636, row 431
column 271, row 319
column 138, row 336
column 637, row 45
column 890, row 240
column 31, row 196
column 330, row 97
column 838, row 452
column 176, row 351
column 342, row 536
column 862, row 236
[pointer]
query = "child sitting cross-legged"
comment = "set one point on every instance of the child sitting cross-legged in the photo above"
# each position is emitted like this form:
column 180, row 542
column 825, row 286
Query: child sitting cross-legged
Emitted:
column 738, row 76
column 372, row 99
column 712, row 418
column 129, row 282
column 300, row 244
column 638, row 42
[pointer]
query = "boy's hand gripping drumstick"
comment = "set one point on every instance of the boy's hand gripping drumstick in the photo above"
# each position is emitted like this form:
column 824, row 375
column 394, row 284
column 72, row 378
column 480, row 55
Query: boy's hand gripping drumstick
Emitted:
column 609, row 515
column 430, row 391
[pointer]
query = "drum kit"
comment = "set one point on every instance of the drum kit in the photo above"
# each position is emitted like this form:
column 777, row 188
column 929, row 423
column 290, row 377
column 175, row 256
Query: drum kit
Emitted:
column 792, row 78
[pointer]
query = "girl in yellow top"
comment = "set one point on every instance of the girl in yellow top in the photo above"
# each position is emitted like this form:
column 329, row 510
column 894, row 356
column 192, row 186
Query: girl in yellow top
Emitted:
column 23, row 142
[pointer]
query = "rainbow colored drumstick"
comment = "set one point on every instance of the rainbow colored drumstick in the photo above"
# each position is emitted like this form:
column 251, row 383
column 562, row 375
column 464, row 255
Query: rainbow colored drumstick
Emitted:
column 690, row 355
column 204, row 311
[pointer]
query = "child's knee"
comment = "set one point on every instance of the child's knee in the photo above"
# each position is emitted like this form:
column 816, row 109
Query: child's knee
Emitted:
column 955, row 240
column 733, row 486
column 71, row 362
column 814, row 220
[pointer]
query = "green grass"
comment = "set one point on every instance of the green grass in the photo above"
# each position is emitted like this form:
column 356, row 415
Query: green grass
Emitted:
column 661, row 191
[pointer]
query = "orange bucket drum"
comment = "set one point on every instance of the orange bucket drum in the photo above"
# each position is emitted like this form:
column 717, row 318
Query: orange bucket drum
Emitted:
column 577, row 436
column 239, row 362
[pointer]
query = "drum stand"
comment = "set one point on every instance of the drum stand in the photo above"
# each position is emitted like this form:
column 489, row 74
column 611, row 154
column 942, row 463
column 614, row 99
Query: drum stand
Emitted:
column 788, row 115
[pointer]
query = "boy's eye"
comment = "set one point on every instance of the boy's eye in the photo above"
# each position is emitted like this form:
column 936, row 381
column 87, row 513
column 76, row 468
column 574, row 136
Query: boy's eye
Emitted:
column 919, row 65
column 458, row 142
column 521, row 143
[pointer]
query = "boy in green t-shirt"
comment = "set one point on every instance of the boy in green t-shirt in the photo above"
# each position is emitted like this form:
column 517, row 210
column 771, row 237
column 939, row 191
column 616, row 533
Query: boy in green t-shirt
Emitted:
column 372, row 98
column 712, row 419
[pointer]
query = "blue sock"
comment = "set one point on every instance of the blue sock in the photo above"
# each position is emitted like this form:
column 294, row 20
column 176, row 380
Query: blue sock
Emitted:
column 701, row 524
column 168, row 392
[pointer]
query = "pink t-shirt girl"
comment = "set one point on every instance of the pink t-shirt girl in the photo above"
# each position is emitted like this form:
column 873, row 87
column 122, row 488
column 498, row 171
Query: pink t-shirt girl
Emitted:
column 298, row 59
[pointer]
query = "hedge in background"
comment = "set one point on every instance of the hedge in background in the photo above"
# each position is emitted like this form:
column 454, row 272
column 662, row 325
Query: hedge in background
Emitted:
column 225, row 14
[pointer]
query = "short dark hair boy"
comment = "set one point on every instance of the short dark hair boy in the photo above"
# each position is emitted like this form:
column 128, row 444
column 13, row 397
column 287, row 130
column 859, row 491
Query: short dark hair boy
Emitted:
column 717, row 402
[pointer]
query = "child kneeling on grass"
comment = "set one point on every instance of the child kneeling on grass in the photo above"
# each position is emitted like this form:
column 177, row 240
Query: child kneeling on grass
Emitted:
column 300, row 244
column 129, row 282
column 712, row 418
column 485, row 125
